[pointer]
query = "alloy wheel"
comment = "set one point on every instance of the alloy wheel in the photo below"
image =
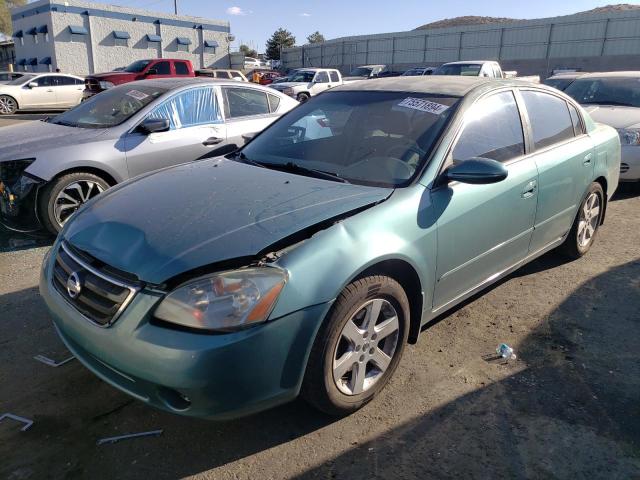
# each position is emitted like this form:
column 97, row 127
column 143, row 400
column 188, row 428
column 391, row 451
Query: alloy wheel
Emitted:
column 7, row 105
column 72, row 197
column 367, row 344
column 589, row 219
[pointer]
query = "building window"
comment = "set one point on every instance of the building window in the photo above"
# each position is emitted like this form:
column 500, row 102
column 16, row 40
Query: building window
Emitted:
column 153, row 41
column 78, row 33
column 210, row 46
column 182, row 44
column 44, row 30
column 121, row 39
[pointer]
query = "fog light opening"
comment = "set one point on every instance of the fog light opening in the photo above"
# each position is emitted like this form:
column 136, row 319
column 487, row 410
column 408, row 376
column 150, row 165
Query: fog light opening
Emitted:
column 174, row 399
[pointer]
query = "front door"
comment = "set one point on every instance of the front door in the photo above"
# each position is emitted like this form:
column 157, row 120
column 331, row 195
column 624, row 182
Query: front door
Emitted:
column 196, row 128
column 41, row 96
column 484, row 230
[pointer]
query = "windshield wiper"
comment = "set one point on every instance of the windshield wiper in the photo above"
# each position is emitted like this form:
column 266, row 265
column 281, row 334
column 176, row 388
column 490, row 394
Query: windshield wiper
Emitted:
column 609, row 102
column 295, row 167
column 246, row 159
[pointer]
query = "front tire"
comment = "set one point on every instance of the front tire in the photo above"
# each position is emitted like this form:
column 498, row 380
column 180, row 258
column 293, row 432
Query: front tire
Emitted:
column 8, row 105
column 585, row 226
column 358, row 347
column 63, row 196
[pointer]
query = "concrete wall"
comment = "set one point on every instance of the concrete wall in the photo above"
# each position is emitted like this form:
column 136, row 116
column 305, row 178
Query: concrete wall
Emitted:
column 98, row 52
column 594, row 41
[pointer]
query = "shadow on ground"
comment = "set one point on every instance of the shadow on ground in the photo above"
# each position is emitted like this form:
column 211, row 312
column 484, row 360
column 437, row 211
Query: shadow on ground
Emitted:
column 574, row 412
column 13, row 241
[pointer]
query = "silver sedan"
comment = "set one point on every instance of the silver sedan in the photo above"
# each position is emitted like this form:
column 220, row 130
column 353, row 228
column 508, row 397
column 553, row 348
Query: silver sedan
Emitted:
column 49, row 169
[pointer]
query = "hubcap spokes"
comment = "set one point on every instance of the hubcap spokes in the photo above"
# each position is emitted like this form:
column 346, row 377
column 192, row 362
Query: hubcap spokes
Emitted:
column 589, row 218
column 366, row 346
column 6, row 105
column 73, row 197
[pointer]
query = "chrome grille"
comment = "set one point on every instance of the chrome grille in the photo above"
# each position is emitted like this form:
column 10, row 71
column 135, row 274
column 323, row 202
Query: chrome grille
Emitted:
column 99, row 296
column 624, row 167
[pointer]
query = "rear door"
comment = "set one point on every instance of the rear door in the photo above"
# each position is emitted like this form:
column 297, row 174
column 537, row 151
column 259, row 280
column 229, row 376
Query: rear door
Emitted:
column 182, row 69
column 565, row 159
column 247, row 111
column 68, row 91
column 196, row 127
column 320, row 83
column 484, row 230
column 334, row 77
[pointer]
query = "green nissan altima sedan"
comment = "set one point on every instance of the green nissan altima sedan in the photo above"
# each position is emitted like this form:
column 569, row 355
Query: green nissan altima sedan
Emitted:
column 303, row 263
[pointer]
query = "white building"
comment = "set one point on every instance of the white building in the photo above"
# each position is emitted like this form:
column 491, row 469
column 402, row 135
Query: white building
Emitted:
column 83, row 38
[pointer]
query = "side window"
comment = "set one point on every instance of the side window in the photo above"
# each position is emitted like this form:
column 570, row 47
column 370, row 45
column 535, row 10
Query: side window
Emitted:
column 334, row 76
column 245, row 102
column 197, row 106
column 181, row 68
column 492, row 129
column 274, row 102
column 549, row 118
column 235, row 74
column 222, row 74
column 322, row 77
column 576, row 120
column 64, row 81
column 45, row 81
column 162, row 68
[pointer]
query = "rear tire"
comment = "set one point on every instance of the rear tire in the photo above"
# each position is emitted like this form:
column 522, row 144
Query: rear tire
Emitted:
column 353, row 358
column 303, row 97
column 8, row 105
column 63, row 196
column 585, row 226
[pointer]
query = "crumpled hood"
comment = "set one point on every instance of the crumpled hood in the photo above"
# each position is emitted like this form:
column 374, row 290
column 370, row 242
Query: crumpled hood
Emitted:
column 615, row 116
column 196, row 214
column 28, row 140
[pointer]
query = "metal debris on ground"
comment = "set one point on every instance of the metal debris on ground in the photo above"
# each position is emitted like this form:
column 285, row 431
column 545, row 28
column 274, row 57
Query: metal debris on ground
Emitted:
column 505, row 351
column 17, row 418
column 51, row 362
column 152, row 433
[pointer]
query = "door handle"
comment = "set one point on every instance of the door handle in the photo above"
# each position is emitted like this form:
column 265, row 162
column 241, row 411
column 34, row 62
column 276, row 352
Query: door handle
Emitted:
column 50, row 91
column 211, row 141
column 530, row 189
column 587, row 159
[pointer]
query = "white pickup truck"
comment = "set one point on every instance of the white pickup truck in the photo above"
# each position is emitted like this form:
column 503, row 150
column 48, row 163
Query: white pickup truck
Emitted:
column 480, row 68
column 304, row 83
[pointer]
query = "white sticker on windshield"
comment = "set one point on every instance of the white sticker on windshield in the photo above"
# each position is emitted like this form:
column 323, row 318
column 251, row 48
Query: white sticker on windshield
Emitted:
column 137, row 94
column 423, row 105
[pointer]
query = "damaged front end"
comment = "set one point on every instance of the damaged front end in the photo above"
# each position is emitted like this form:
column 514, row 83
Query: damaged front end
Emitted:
column 18, row 196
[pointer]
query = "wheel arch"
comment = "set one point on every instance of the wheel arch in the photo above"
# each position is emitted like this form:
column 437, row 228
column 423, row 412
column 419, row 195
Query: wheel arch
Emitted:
column 603, row 183
column 103, row 174
column 13, row 97
column 407, row 276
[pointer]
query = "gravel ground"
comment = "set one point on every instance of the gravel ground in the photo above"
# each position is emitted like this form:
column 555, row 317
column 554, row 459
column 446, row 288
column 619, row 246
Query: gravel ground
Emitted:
column 568, row 407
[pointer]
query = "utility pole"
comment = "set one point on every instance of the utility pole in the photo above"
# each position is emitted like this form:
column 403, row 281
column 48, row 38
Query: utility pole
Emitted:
column 175, row 6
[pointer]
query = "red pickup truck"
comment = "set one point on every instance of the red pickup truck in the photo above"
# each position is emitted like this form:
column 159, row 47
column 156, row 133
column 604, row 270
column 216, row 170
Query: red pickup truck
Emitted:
column 138, row 70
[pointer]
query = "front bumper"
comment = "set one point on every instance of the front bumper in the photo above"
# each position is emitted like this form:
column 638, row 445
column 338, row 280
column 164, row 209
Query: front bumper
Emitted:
column 19, row 205
column 220, row 376
column 630, row 163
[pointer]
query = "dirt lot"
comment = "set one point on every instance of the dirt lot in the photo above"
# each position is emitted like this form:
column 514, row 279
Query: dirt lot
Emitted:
column 569, row 407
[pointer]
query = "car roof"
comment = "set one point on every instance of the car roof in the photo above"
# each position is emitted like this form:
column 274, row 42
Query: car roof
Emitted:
column 313, row 69
column 627, row 74
column 439, row 85
column 175, row 83
column 471, row 62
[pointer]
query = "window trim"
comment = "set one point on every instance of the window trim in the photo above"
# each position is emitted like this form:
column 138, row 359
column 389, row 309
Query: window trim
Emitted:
column 575, row 137
column 170, row 96
column 225, row 88
column 448, row 157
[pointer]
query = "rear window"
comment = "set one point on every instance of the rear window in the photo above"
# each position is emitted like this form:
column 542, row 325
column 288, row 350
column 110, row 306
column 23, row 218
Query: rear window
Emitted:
column 623, row 91
column 549, row 118
column 181, row 68
column 466, row 69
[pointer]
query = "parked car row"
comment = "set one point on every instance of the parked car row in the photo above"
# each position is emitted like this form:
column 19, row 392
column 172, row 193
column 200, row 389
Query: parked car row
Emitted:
column 302, row 262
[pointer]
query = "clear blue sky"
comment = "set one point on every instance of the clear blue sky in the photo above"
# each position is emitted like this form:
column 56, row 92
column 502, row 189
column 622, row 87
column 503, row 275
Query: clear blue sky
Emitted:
column 253, row 21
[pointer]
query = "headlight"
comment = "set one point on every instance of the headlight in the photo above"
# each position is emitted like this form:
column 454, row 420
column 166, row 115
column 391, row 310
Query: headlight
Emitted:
column 629, row 136
column 225, row 301
column 288, row 91
column 106, row 85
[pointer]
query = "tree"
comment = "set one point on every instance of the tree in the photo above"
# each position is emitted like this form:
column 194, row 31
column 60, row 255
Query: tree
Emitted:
column 280, row 39
column 248, row 51
column 5, row 14
column 316, row 37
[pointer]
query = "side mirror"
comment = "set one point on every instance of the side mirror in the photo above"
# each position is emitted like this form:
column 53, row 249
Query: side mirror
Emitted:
column 477, row 171
column 249, row 136
column 154, row 125
column 32, row 84
column 152, row 71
